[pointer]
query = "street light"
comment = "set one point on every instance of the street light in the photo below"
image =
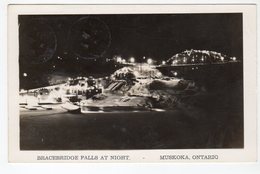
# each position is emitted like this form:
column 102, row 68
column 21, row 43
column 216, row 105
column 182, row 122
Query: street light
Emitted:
column 163, row 62
column 132, row 59
column 149, row 61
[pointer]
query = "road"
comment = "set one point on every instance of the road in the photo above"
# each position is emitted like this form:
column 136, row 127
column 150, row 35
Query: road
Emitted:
column 60, row 130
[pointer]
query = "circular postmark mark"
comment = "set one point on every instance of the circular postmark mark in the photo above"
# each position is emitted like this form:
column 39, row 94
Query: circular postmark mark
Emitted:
column 89, row 38
column 37, row 41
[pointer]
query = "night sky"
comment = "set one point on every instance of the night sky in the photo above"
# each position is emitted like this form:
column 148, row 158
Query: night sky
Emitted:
column 85, row 41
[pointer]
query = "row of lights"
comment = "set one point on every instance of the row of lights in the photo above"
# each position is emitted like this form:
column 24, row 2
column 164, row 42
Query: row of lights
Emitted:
column 132, row 60
column 202, row 59
column 150, row 61
column 121, row 60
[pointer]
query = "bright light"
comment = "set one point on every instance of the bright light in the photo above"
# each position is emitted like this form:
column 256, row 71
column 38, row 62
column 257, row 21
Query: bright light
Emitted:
column 144, row 57
column 123, row 60
column 163, row 62
column 222, row 58
column 149, row 61
column 175, row 73
column 25, row 74
column 132, row 60
column 234, row 58
column 202, row 59
column 174, row 62
column 119, row 59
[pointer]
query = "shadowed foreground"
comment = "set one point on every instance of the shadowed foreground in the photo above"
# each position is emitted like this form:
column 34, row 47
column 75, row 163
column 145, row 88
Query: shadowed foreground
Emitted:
column 43, row 130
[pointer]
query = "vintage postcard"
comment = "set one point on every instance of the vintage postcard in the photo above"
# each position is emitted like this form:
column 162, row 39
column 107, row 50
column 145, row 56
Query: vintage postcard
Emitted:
column 132, row 83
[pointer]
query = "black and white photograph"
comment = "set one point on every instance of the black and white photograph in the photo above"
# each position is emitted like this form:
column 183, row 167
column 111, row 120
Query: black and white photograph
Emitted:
column 131, row 81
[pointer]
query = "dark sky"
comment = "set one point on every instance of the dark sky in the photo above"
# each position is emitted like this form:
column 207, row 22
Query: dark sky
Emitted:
column 80, row 39
column 157, row 36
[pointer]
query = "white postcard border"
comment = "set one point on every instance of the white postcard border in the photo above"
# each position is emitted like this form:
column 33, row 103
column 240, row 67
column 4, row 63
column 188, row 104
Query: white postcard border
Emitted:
column 248, row 153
